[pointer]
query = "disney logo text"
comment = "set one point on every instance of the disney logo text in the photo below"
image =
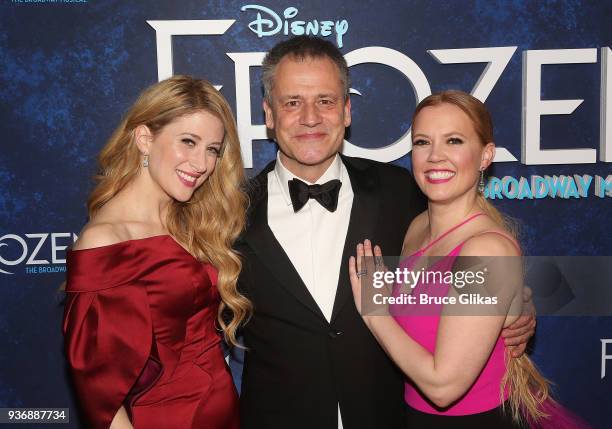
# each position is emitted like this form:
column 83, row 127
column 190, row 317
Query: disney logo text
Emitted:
column 275, row 24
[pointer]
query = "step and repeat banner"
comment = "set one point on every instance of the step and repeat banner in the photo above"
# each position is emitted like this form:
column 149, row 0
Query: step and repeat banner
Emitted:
column 69, row 69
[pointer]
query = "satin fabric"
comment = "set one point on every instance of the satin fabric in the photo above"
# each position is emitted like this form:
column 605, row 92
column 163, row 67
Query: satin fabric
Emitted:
column 421, row 323
column 481, row 406
column 140, row 332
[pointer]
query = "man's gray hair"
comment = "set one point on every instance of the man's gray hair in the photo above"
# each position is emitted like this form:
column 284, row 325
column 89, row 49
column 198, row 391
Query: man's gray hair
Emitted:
column 300, row 48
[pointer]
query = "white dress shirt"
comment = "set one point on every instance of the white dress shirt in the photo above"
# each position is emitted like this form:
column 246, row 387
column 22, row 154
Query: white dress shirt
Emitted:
column 313, row 238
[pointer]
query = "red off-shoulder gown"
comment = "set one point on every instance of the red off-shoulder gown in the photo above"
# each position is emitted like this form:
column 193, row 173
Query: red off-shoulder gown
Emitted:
column 140, row 332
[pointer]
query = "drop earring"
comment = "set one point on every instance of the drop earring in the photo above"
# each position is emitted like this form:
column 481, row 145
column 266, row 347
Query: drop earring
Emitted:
column 481, row 184
column 145, row 161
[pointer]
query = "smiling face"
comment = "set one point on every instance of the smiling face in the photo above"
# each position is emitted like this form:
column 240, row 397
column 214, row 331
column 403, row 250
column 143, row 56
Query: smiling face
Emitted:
column 447, row 153
column 308, row 113
column 183, row 154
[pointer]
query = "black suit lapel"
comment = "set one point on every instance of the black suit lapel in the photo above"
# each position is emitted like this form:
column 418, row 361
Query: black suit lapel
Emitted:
column 364, row 212
column 261, row 239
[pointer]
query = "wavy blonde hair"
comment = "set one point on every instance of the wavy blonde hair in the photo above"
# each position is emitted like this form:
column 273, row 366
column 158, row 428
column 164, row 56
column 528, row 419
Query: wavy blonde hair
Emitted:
column 209, row 223
column 528, row 388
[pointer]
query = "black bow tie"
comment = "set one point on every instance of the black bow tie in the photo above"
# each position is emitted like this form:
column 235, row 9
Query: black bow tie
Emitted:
column 326, row 194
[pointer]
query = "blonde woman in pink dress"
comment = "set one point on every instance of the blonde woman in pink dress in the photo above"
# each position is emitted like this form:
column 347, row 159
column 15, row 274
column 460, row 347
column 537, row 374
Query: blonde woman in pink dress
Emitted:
column 458, row 373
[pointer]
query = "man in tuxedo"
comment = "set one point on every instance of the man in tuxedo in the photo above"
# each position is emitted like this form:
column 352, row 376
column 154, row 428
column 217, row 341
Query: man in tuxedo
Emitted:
column 310, row 360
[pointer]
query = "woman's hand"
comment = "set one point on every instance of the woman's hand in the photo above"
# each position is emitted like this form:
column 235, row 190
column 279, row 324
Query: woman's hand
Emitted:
column 363, row 266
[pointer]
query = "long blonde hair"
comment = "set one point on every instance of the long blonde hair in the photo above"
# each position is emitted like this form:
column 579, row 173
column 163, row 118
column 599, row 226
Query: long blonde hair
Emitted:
column 209, row 223
column 528, row 388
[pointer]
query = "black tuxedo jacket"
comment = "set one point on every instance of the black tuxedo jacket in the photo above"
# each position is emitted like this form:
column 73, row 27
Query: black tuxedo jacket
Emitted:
column 298, row 366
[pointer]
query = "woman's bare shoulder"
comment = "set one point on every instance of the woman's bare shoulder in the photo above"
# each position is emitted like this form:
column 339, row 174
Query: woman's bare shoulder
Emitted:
column 98, row 234
column 490, row 242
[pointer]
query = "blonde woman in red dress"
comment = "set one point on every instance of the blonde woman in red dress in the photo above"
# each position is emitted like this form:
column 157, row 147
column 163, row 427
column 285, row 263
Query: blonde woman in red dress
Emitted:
column 152, row 279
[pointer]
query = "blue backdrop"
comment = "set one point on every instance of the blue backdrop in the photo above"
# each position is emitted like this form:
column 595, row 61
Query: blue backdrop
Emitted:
column 69, row 69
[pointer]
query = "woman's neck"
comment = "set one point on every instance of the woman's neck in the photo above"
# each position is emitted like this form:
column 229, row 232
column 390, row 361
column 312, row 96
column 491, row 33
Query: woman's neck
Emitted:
column 443, row 215
column 144, row 201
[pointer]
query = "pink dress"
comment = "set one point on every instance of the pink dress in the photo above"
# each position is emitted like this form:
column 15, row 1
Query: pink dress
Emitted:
column 480, row 406
column 484, row 394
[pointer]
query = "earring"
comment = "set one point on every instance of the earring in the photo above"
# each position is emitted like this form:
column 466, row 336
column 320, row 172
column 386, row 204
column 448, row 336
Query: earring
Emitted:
column 145, row 161
column 481, row 184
